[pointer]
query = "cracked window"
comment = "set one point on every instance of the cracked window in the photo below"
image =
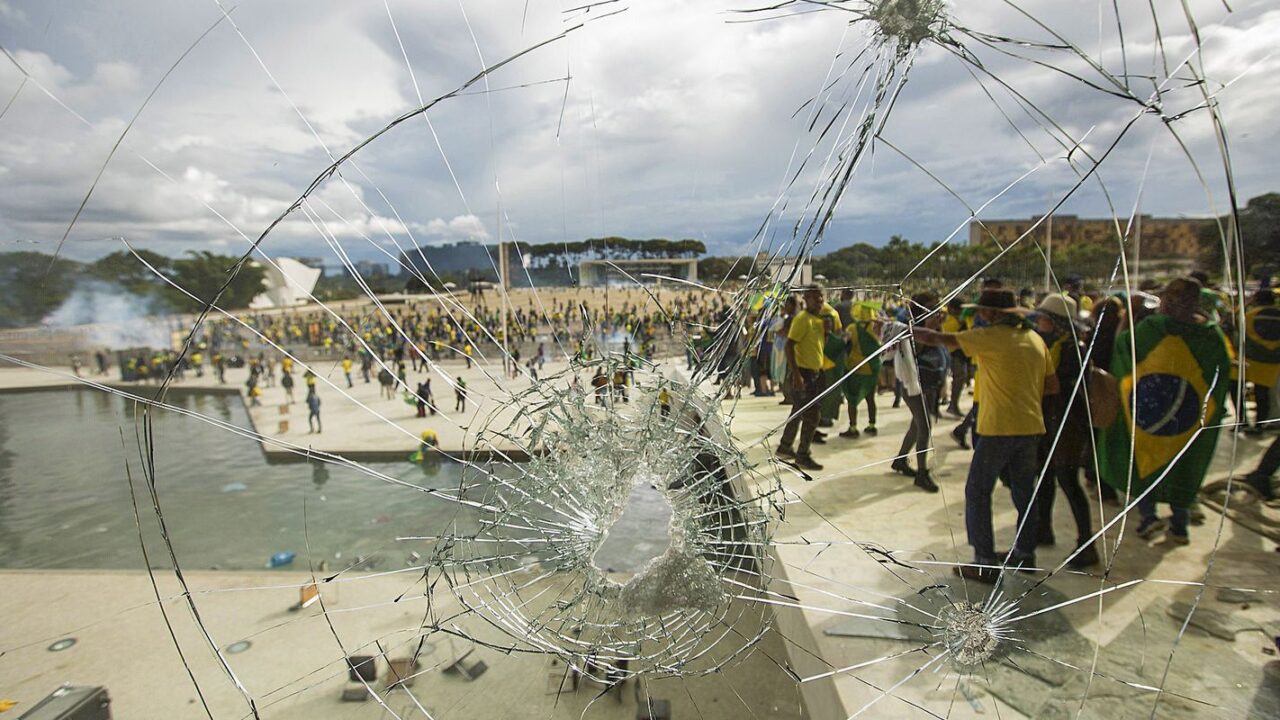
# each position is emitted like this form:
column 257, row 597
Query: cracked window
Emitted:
column 337, row 382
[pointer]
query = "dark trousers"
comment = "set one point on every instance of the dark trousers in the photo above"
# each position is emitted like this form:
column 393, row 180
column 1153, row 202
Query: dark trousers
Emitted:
column 804, row 419
column 1066, row 477
column 917, row 433
column 959, row 379
column 993, row 454
column 1262, row 394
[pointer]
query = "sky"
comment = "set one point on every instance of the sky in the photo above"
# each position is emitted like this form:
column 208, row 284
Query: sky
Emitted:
column 637, row 118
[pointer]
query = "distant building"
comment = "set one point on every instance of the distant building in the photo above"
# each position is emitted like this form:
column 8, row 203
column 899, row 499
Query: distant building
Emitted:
column 463, row 257
column 798, row 272
column 370, row 269
column 596, row 273
column 1160, row 237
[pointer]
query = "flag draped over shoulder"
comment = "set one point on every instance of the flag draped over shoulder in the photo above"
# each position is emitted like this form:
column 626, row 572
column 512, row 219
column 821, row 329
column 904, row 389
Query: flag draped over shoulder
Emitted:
column 1173, row 379
column 1262, row 345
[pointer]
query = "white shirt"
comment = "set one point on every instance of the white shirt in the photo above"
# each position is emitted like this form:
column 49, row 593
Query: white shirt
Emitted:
column 904, row 356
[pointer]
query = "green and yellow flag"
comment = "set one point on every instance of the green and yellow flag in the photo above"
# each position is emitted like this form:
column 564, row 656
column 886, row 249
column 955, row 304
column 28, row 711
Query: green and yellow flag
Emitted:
column 1262, row 345
column 1172, row 397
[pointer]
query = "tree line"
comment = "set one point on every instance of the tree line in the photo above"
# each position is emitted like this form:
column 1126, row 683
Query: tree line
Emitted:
column 33, row 284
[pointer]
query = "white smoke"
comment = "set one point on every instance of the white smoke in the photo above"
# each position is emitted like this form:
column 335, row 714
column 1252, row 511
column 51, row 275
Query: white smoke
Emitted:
column 111, row 317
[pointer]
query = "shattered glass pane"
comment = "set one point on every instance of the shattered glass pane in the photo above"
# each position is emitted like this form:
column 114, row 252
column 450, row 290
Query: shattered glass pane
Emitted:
column 356, row 421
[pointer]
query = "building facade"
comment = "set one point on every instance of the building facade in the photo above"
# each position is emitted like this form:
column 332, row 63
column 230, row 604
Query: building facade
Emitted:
column 1157, row 237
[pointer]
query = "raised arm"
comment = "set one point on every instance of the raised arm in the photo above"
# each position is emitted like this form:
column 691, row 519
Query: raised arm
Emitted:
column 925, row 336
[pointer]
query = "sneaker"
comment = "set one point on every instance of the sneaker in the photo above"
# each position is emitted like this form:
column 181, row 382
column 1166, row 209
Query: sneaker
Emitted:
column 871, row 430
column 954, row 411
column 1086, row 557
column 785, row 451
column 819, row 433
column 926, row 483
column 1177, row 539
column 806, row 462
column 958, row 435
column 825, row 422
column 902, row 467
column 819, row 439
column 1152, row 527
column 851, row 433
column 984, row 575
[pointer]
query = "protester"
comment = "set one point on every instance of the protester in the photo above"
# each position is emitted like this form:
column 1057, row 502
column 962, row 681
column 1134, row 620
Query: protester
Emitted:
column 1063, row 446
column 803, row 349
column 898, row 336
column 862, row 362
column 1178, row 384
column 313, row 411
column 1014, row 373
column 1262, row 351
column 460, row 395
column 953, row 323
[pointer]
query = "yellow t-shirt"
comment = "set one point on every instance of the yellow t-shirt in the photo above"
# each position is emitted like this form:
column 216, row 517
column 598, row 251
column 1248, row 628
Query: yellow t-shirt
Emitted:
column 1012, row 365
column 809, row 333
column 346, row 365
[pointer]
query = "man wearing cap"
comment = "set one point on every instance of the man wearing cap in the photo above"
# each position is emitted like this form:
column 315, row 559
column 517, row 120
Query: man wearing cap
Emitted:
column 1014, row 372
column 804, row 350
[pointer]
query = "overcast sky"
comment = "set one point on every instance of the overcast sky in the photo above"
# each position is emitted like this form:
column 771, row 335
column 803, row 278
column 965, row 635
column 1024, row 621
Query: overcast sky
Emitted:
column 677, row 121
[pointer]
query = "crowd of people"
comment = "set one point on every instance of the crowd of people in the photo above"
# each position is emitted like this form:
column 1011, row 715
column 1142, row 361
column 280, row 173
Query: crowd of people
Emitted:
column 1128, row 390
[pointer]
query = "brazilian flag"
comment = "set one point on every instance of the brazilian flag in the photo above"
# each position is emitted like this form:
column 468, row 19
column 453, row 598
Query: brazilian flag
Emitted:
column 863, row 381
column 1262, row 345
column 834, row 350
column 1173, row 387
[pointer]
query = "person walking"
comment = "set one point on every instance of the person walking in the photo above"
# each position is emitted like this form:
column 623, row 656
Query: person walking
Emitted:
column 864, row 360
column 898, row 336
column 1068, row 433
column 1014, row 372
column 960, row 370
column 1174, row 369
column 803, row 348
column 460, row 395
column 286, row 382
column 313, row 411
column 346, row 369
column 1262, row 353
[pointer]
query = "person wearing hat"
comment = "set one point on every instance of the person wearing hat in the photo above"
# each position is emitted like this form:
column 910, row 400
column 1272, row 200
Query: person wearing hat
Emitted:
column 1015, row 372
column 1063, row 446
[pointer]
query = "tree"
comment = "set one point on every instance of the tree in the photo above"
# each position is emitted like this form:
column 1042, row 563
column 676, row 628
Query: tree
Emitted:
column 204, row 273
column 32, row 285
column 1259, row 233
column 129, row 272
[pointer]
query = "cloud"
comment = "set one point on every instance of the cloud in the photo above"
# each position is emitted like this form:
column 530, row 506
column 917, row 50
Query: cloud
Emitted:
column 675, row 123
column 461, row 227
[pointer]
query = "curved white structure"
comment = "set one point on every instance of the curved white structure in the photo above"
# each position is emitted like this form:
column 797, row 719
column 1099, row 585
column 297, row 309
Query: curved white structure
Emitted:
column 286, row 283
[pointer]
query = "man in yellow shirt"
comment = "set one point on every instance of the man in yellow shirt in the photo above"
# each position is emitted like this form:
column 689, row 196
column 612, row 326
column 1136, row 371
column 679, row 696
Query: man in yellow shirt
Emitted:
column 1014, row 371
column 805, row 340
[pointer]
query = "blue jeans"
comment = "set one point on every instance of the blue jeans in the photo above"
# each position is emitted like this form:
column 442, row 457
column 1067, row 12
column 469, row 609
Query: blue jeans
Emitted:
column 1177, row 523
column 993, row 454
